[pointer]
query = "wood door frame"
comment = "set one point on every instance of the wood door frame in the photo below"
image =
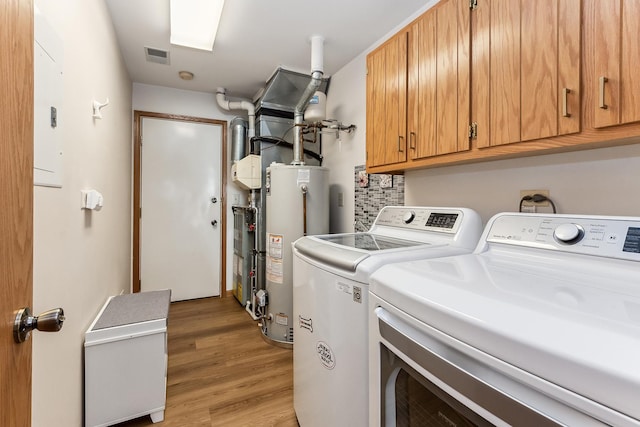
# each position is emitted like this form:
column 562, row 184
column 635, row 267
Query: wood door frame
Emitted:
column 16, row 197
column 137, row 187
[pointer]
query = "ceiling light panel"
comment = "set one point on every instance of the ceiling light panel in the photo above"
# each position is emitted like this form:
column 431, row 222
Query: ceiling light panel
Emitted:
column 194, row 23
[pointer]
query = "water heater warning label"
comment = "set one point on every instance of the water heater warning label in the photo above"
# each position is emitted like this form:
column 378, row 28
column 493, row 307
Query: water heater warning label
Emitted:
column 282, row 319
column 275, row 245
column 327, row 358
column 274, row 267
column 275, row 271
column 304, row 176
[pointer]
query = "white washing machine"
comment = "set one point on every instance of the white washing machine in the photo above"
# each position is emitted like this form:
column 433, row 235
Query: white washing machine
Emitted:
column 330, row 297
column 539, row 326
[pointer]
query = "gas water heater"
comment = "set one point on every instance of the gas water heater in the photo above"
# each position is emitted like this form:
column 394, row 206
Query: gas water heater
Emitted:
column 297, row 205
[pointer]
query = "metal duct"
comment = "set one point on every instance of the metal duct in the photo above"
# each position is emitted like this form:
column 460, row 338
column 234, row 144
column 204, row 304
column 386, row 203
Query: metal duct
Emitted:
column 282, row 92
column 238, row 139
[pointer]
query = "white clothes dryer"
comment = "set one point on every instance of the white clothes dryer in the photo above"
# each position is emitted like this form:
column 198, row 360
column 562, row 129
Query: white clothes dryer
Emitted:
column 540, row 326
column 330, row 300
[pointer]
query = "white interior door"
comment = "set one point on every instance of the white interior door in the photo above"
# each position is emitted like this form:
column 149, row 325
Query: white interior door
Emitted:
column 180, row 227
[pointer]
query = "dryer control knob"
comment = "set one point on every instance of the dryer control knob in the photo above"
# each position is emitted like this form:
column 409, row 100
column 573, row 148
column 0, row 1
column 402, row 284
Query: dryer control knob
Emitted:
column 408, row 217
column 568, row 233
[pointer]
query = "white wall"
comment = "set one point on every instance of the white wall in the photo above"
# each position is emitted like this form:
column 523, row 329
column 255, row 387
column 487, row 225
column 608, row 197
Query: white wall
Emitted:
column 160, row 99
column 603, row 181
column 594, row 182
column 341, row 155
column 81, row 258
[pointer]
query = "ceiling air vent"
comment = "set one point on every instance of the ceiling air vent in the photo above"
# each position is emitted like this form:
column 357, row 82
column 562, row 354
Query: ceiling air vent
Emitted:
column 158, row 56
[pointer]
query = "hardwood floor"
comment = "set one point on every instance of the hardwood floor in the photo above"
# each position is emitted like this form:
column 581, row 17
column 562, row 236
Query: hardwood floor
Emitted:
column 221, row 372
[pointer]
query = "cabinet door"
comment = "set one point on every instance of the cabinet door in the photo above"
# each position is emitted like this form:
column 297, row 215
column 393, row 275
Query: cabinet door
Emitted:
column 613, row 25
column 526, row 70
column 375, row 109
column 387, row 102
column 439, row 62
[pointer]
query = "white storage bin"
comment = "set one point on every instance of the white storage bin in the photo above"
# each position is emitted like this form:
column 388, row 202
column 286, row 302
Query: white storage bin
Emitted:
column 125, row 359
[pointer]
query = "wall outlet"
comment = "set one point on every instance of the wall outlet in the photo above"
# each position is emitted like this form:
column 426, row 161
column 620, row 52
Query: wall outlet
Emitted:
column 524, row 193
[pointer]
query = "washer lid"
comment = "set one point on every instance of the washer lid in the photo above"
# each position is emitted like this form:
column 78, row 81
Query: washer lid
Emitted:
column 368, row 241
column 347, row 250
column 572, row 320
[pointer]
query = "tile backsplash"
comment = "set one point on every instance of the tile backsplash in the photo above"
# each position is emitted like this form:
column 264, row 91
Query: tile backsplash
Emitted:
column 372, row 193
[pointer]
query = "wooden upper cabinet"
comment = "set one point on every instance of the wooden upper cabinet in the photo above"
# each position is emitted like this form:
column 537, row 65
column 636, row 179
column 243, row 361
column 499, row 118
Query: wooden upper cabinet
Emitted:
column 531, row 77
column 526, row 65
column 387, row 102
column 613, row 25
column 439, row 80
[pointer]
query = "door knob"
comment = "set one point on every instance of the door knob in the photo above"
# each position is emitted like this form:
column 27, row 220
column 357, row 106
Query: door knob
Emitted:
column 214, row 200
column 24, row 323
column 214, row 222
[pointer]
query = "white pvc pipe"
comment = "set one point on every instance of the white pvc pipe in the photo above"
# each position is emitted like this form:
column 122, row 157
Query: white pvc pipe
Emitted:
column 317, row 54
column 225, row 104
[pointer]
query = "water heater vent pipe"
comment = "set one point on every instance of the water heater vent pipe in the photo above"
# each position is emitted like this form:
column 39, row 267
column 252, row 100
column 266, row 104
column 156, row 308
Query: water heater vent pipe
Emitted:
column 317, row 70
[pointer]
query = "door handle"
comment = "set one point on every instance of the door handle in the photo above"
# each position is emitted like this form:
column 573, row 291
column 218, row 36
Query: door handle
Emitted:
column 24, row 323
column 214, row 200
column 214, row 222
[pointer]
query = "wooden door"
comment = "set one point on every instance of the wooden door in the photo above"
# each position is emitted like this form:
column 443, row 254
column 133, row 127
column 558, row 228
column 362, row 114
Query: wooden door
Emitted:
column 630, row 61
column 569, row 108
column 504, row 76
column 16, row 198
column 526, row 63
column 396, row 99
column 538, row 65
column 387, row 102
column 375, row 109
column 439, row 80
column 613, row 25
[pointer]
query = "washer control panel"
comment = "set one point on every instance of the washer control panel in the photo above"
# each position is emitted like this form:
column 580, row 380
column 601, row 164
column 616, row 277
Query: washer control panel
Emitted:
column 569, row 233
column 617, row 237
column 408, row 217
column 418, row 218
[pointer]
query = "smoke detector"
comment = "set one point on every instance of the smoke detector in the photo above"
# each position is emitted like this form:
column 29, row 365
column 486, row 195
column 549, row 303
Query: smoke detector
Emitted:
column 158, row 56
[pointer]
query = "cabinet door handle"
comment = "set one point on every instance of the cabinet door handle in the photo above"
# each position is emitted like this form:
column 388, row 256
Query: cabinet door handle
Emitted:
column 603, row 80
column 400, row 138
column 412, row 140
column 565, row 92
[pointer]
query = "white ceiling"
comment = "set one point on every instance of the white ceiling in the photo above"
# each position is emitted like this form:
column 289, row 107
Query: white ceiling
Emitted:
column 254, row 38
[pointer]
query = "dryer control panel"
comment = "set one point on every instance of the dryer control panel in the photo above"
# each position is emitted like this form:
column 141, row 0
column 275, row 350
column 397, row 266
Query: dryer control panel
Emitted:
column 612, row 237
